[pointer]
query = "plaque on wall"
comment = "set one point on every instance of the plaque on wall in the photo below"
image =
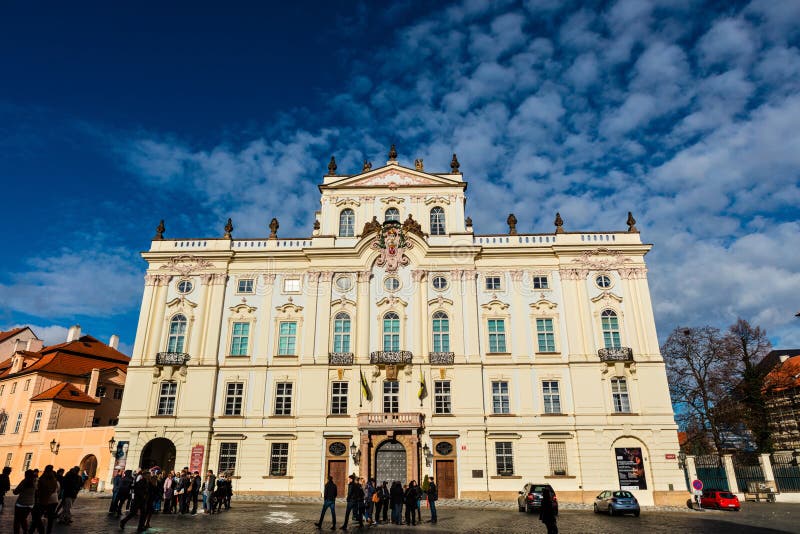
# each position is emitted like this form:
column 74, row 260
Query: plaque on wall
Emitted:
column 444, row 448
column 337, row 448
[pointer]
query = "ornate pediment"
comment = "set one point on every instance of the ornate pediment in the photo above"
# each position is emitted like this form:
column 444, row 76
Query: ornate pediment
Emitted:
column 347, row 201
column 607, row 296
column 440, row 301
column 393, row 200
column 242, row 310
column 289, row 307
column 495, row 305
column 436, row 200
column 394, row 176
column 181, row 303
column 543, row 305
column 343, row 302
column 186, row 265
column 391, row 300
column 601, row 259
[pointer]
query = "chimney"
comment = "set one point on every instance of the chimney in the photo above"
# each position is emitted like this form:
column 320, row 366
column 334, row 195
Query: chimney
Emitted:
column 74, row 333
column 94, row 377
column 19, row 344
column 783, row 357
column 114, row 342
column 34, row 345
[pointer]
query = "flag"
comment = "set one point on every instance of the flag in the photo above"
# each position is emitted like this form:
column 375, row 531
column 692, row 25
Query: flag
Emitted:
column 423, row 390
column 365, row 387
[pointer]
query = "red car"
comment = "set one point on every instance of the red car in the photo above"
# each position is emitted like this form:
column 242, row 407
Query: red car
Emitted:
column 721, row 500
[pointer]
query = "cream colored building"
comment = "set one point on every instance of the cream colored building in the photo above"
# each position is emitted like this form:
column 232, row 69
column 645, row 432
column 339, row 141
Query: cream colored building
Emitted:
column 284, row 360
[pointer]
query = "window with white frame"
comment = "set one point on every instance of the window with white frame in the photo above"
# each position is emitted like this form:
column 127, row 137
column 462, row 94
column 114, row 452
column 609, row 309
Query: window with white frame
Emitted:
column 3, row 423
column 279, row 459
column 240, row 338
column 27, row 385
column 500, row 399
column 339, row 398
column 391, row 396
column 341, row 332
column 13, row 388
column 245, row 286
column 504, row 457
column 492, row 283
column 291, row 285
column 610, row 324
column 441, row 397
column 497, row 335
column 619, row 394
column 184, row 286
column 177, row 334
column 26, row 464
column 540, row 282
column 557, row 453
column 37, row 421
column 545, row 335
column 391, row 332
column 437, row 221
column 441, row 332
column 167, row 395
column 18, row 423
column 227, row 457
column 347, row 223
column 392, row 214
column 551, row 396
column 287, row 338
column 283, row 398
column 234, row 394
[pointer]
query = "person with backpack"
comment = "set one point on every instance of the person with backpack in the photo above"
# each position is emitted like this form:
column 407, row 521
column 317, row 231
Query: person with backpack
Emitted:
column 46, row 501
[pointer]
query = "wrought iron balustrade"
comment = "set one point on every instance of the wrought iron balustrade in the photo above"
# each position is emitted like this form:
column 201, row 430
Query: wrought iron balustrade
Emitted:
column 172, row 358
column 391, row 357
column 340, row 358
column 390, row 421
column 442, row 358
column 616, row 354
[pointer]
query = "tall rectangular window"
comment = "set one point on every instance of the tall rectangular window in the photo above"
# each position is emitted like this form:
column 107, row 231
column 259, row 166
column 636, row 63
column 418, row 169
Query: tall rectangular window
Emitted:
column 279, row 459
column 552, row 397
column 27, row 385
column 240, row 339
column 341, row 332
column 245, row 286
column 619, row 393
column 339, row 398
column 37, row 421
column 9, row 456
column 227, row 457
column 283, row 398
column 234, row 394
column 2, row 388
column 391, row 332
column 13, row 388
column 441, row 397
column 492, row 283
column 18, row 423
column 441, row 332
column 545, row 335
column 166, row 398
column 391, row 396
column 3, row 423
column 500, row 399
column 287, row 338
column 557, row 452
column 504, row 457
column 497, row 335
column 540, row 282
column 26, row 464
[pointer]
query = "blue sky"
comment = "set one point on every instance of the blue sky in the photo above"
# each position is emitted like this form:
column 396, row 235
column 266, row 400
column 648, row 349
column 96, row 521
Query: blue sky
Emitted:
column 684, row 112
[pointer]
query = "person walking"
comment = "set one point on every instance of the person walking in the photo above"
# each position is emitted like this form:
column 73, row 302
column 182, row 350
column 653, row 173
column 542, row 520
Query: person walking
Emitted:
column 411, row 499
column 116, row 480
column 5, row 486
column 355, row 496
column 433, row 496
column 547, row 513
column 71, row 486
column 123, row 493
column 152, row 495
column 396, row 501
column 209, row 484
column 328, row 501
column 26, row 497
column 139, row 506
column 46, row 502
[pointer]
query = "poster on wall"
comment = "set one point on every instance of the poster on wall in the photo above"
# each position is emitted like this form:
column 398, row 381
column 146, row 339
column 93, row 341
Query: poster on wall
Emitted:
column 630, row 469
column 121, row 455
column 196, row 460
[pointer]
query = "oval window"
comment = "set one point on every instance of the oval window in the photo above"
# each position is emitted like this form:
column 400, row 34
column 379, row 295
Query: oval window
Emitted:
column 439, row 283
column 603, row 281
column 391, row 284
column 184, row 286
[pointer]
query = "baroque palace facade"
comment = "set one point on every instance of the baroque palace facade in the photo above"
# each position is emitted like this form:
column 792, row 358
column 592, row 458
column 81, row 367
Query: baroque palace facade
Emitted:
column 395, row 342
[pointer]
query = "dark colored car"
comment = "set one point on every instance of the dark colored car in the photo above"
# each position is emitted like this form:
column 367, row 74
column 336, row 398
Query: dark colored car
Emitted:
column 616, row 502
column 720, row 499
column 530, row 498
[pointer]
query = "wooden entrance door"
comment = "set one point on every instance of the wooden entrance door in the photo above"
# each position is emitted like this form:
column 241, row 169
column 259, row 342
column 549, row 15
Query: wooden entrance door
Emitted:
column 446, row 478
column 338, row 470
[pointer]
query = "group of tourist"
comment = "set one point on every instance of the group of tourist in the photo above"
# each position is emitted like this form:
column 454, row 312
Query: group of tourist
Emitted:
column 370, row 503
column 45, row 498
column 150, row 491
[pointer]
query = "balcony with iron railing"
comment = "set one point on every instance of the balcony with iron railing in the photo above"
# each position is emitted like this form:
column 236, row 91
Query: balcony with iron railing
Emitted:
column 441, row 358
column 172, row 358
column 340, row 358
column 615, row 354
column 390, row 421
column 391, row 357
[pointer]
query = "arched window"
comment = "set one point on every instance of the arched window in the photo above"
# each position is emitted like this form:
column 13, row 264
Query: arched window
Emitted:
column 610, row 324
column 392, row 214
column 391, row 332
column 347, row 223
column 341, row 332
column 177, row 334
column 441, row 332
column 437, row 221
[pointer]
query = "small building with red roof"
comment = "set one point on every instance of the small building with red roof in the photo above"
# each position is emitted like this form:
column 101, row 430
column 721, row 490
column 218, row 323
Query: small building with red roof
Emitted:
column 782, row 389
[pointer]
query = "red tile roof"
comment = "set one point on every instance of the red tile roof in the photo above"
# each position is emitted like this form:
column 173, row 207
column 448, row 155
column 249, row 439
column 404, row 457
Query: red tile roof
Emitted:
column 11, row 333
column 784, row 375
column 74, row 358
column 65, row 392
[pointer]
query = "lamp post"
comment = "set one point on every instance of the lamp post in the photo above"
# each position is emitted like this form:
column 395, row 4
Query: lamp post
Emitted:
column 111, row 445
column 355, row 453
column 54, row 446
column 426, row 452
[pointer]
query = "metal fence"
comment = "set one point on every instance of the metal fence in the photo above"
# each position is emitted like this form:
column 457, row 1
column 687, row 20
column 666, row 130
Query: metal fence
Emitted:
column 747, row 468
column 711, row 471
column 787, row 473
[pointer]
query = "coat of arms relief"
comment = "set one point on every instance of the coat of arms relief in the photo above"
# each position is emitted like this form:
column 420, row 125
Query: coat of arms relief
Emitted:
column 392, row 244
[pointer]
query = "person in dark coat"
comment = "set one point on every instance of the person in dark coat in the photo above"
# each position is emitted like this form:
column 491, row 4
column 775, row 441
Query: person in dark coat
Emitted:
column 115, row 482
column 411, row 499
column 433, row 496
column 355, row 496
column 123, row 493
column 381, row 513
column 71, row 486
column 328, row 501
column 5, row 486
column 547, row 513
column 197, row 481
column 139, row 506
column 396, row 500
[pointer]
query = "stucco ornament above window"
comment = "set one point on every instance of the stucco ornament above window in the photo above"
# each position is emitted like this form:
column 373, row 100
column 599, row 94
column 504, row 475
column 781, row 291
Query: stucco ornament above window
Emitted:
column 392, row 244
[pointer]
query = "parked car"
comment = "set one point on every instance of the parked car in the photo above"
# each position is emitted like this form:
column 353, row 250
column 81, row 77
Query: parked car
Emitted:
column 720, row 499
column 530, row 498
column 616, row 502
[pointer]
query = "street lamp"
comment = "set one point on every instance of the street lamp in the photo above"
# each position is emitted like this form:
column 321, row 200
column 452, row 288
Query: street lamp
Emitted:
column 111, row 445
column 426, row 452
column 355, row 453
column 54, row 446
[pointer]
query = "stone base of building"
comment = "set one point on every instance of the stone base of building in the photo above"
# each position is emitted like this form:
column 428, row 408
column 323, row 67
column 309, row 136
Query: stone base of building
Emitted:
column 671, row 498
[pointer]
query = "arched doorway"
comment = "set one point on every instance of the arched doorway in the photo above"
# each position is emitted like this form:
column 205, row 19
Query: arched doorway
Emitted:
column 159, row 452
column 390, row 462
column 89, row 468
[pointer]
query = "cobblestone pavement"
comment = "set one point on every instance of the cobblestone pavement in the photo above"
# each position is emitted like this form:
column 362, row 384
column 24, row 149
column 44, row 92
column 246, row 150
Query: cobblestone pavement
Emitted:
column 91, row 518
